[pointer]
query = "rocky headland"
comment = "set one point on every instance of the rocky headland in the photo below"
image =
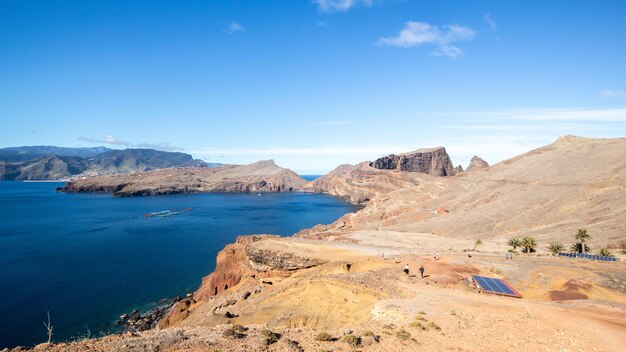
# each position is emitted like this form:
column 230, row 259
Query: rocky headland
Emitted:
column 341, row 287
column 262, row 176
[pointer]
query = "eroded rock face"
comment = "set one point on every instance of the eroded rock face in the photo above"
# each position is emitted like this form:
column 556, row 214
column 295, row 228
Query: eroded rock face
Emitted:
column 477, row 163
column 433, row 161
column 245, row 258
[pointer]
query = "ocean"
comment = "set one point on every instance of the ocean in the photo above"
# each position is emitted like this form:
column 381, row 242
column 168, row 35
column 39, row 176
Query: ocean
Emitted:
column 88, row 258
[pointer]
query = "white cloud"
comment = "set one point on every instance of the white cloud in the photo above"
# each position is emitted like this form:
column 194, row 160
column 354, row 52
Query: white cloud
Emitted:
column 340, row 5
column 106, row 139
column 235, row 27
column 448, row 50
column 617, row 93
column 490, row 21
column 422, row 33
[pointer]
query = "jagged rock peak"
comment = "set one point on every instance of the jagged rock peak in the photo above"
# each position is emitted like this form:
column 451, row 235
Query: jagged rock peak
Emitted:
column 477, row 163
column 433, row 161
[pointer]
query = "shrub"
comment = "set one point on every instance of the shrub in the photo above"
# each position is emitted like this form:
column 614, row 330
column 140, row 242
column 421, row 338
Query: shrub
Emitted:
column 352, row 340
column 417, row 324
column 368, row 333
column 235, row 331
column 403, row 335
column 434, row 326
column 324, row 336
column 270, row 337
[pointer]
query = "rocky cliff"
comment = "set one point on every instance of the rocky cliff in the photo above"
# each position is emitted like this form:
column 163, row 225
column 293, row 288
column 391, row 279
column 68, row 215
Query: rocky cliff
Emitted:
column 476, row 164
column 262, row 176
column 432, row 161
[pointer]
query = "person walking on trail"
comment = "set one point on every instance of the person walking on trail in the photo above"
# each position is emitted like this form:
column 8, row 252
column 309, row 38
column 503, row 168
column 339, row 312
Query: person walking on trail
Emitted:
column 422, row 271
column 406, row 269
column 436, row 255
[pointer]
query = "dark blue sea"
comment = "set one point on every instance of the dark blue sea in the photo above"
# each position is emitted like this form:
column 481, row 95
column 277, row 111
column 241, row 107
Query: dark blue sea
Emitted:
column 88, row 258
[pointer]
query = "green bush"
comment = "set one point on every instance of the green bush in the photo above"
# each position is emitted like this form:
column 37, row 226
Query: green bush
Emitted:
column 324, row 336
column 352, row 340
column 418, row 325
column 403, row 335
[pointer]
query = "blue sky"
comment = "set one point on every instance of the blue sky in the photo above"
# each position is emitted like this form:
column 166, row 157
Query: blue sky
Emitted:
column 311, row 84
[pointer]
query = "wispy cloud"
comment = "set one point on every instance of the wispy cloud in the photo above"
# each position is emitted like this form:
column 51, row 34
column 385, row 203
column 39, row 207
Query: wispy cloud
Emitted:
column 490, row 21
column 106, row 139
column 609, row 93
column 235, row 27
column 421, row 33
column 111, row 140
column 340, row 5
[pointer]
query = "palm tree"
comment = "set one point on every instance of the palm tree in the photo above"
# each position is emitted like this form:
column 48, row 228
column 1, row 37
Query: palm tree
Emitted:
column 575, row 248
column 528, row 244
column 556, row 247
column 582, row 236
column 477, row 243
column 605, row 252
column 514, row 242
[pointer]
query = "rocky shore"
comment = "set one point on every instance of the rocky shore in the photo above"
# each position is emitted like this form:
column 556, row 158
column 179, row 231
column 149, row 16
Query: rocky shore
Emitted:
column 262, row 176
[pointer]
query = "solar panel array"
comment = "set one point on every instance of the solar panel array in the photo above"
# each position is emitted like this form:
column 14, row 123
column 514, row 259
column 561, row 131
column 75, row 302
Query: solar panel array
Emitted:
column 589, row 256
column 496, row 286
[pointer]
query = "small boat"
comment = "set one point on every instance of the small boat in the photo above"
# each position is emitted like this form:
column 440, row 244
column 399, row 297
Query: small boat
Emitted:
column 187, row 209
column 147, row 215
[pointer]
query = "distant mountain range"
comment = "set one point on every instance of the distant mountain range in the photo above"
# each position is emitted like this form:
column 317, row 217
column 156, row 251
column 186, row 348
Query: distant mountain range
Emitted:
column 55, row 163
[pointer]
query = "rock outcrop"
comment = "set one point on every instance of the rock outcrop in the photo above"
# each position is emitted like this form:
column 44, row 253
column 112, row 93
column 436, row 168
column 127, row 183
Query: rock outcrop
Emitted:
column 248, row 257
column 432, row 161
column 477, row 163
column 262, row 176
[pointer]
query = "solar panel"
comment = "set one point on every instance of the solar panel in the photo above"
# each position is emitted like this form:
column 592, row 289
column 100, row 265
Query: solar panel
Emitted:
column 495, row 286
column 589, row 256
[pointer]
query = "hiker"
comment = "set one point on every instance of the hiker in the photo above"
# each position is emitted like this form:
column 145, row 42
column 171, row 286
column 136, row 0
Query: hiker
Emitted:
column 406, row 269
column 436, row 256
column 422, row 271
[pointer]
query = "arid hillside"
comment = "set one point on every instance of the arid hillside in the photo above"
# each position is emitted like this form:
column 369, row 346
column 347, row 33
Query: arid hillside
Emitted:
column 262, row 176
column 547, row 193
